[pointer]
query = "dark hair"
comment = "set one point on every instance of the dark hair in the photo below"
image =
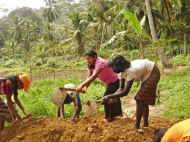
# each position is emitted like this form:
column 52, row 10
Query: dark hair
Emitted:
column 15, row 82
column 91, row 53
column 119, row 64
column 158, row 134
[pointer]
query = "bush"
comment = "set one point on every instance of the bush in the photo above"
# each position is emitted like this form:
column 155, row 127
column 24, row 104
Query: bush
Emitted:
column 52, row 63
column 179, row 60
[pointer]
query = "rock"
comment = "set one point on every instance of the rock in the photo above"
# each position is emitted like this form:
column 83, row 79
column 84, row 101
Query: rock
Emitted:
column 90, row 129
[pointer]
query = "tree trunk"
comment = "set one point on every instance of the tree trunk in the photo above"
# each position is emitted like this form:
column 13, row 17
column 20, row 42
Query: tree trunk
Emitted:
column 150, row 20
column 141, row 50
column 160, row 52
column 185, row 43
column 102, row 34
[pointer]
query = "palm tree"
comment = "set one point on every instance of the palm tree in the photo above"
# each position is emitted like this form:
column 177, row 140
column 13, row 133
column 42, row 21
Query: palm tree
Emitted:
column 164, row 59
column 151, row 21
column 79, row 25
column 102, row 14
column 51, row 14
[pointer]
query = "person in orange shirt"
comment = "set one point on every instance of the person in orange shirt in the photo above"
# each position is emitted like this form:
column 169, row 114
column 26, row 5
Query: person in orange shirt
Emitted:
column 179, row 132
column 9, row 87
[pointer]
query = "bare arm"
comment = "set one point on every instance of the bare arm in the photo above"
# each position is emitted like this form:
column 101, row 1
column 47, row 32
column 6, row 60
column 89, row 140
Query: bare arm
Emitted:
column 11, row 108
column 17, row 101
column 122, row 83
column 91, row 78
column 123, row 92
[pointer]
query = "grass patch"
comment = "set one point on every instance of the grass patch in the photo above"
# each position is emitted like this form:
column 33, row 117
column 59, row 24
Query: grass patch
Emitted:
column 177, row 101
column 38, row 100
column 180, row 60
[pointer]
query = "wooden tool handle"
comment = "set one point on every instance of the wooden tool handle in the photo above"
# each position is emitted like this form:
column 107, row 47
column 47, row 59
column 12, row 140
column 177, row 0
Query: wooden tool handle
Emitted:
column 71, row 89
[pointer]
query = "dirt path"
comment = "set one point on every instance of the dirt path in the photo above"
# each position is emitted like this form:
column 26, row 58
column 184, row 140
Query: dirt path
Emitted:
column 129, row 107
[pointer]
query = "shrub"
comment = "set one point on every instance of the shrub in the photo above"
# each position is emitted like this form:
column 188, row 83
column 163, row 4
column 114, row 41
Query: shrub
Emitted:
column 179, row 60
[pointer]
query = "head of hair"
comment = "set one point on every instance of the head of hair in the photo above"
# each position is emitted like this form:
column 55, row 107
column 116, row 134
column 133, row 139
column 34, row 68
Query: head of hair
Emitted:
column 91, row 53
column 119, row 64
column 158, row 134
column 16, row 83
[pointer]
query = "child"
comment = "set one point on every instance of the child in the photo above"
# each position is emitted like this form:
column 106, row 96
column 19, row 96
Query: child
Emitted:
column 60, row 96
column 142, row 70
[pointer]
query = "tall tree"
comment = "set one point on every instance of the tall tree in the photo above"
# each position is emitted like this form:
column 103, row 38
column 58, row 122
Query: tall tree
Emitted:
column 79, row 25
column 151, row 20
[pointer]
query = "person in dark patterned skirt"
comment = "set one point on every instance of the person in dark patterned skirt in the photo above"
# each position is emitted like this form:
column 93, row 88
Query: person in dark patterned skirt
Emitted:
column 142, row 70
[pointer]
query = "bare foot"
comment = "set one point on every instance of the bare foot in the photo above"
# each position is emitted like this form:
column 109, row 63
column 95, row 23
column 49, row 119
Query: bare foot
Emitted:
column 108, row 120
column 140, row 131
column 145, row 127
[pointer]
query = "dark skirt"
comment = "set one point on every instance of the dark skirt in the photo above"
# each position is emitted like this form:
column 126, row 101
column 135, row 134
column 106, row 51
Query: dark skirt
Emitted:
column 147, row 92
column 114, row 109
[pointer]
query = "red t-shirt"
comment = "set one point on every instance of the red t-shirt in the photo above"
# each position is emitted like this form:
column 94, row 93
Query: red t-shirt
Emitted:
column 6, row 87
column 106, row 75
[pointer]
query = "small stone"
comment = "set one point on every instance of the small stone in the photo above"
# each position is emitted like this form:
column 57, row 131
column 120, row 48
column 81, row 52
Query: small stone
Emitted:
column 90, row 129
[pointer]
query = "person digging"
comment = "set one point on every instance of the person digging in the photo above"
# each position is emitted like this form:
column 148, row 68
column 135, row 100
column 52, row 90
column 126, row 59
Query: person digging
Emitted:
column 142, row 70
column 9, row 87
column 98, row 68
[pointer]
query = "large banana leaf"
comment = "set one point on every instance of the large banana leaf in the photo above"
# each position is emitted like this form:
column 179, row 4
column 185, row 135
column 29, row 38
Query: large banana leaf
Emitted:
column 133, row 21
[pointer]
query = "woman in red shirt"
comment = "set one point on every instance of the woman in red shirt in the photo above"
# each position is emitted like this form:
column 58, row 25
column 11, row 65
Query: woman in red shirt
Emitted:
column 98, row 68
column 9, row 87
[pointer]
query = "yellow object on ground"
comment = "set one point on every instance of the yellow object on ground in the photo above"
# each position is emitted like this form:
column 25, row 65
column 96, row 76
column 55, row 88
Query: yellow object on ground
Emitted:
column 25, row 79
column 180, row 132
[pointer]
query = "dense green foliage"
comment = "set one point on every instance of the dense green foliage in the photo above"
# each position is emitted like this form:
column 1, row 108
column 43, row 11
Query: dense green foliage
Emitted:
column 63, row 29
column 57, row 35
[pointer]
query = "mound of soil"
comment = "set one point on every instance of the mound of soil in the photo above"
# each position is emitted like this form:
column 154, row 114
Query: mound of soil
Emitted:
column 85, row 130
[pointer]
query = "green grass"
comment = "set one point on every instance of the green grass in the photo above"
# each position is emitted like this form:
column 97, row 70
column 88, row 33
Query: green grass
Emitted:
column 180, row 60
column 175, row 92
column 175, row 86
column 38, row 101
column 176, row 101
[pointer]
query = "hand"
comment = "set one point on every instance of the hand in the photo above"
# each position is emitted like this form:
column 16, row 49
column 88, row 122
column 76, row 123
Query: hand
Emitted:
column 81, row 89
column 105, row 99
column 84, row 89
column 25, row 113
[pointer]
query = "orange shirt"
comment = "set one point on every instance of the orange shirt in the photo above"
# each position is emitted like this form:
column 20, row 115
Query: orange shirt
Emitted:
column 180, row 132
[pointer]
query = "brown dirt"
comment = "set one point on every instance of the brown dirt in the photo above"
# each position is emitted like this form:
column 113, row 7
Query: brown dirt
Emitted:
column 86, row 130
